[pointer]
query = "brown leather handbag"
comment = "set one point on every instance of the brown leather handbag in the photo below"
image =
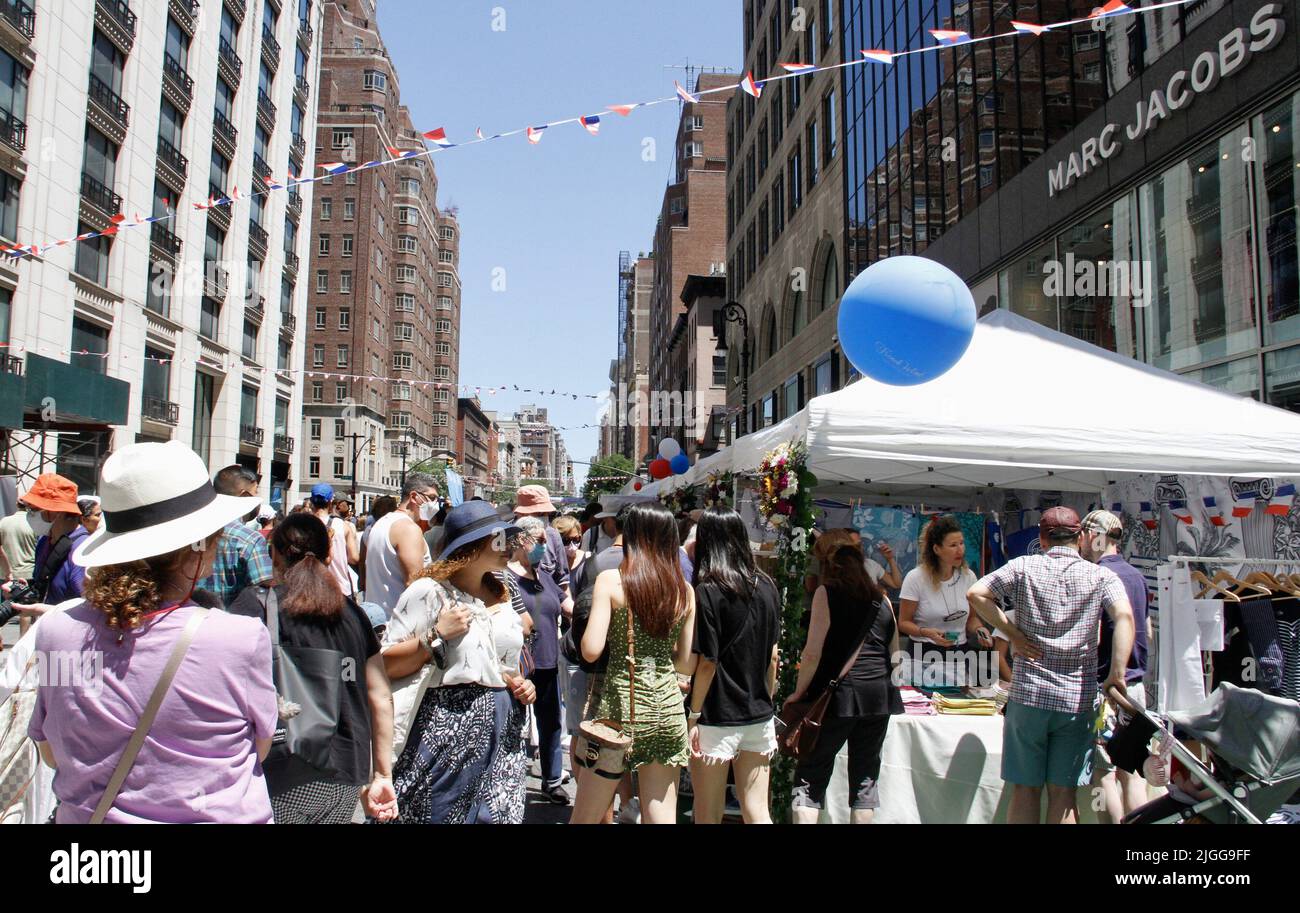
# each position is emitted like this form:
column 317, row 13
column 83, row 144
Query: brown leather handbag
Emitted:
column 800, row 722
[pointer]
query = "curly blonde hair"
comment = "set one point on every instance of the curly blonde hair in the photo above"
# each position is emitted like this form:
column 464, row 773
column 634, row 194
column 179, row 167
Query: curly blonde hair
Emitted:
column 460, row 559
column 125, row 593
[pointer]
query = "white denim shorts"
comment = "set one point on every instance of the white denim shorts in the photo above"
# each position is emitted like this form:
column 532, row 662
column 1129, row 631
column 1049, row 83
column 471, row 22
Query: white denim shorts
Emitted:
column 723, row 743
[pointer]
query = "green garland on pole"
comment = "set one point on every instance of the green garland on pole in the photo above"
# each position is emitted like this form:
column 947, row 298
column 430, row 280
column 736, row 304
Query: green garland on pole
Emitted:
column 789, row 508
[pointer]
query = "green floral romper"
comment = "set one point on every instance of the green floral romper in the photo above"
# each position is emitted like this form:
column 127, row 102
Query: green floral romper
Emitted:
column 659, row 731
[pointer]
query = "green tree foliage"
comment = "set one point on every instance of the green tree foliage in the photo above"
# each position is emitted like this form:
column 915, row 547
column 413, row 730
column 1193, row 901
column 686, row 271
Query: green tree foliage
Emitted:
column 607, row 475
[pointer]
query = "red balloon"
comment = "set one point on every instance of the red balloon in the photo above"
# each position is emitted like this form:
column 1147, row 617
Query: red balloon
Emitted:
column 660, row 469
column 636, row 487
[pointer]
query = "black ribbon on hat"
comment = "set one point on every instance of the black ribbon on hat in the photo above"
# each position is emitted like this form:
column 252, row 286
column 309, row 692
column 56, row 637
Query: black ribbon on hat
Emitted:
column 146, row 515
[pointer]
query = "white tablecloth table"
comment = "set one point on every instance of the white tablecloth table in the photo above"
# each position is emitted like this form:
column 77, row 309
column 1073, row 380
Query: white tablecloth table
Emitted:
column 942, row 769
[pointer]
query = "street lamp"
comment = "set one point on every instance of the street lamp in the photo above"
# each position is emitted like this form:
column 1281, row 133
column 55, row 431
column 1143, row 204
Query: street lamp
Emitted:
column 408, row 435
column 734, row 312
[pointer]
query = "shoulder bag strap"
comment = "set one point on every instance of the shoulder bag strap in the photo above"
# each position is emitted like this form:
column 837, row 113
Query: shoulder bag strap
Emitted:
column 272, row 606
column 53, row 563
column 853, row 657
column 160, row 690
column 631, row 671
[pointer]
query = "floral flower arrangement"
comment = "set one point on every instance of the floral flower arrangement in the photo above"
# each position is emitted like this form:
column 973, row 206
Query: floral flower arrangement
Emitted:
column 718, row 490
column 779, row 482
column 679, row 501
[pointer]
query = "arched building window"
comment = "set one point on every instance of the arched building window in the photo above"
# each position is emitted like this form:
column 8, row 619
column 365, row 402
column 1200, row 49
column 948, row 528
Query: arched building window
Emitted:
column 830, row 281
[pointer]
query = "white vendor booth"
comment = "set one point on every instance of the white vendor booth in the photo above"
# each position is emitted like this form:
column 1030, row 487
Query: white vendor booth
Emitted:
column 1026, row 409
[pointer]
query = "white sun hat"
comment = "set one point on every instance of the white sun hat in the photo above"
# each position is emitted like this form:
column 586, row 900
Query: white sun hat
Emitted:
column 156, row 498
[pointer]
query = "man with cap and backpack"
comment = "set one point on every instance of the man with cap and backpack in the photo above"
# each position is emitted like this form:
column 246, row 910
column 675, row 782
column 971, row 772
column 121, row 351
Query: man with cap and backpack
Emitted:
column 1059, row 597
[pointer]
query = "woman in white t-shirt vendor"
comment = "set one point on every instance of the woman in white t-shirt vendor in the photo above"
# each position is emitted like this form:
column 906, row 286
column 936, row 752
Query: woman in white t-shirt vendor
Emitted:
column 932, row 604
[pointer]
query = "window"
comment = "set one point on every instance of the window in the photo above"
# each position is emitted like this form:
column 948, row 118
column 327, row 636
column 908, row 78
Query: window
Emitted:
column 326, row 209
column 318, row 356
column 313, row 467
column 719, row 370
column 448, row 234
column 830, row 137
column 444, row 303
column 374, row 79
column 813, row 161
column 442, row 348
column 406, row 244
column 322, row 281
column 345, row 281
column 340, row 429
column 349, row 209
column 314, row 429
column 343, row 357
column 317, row 391
column 401, row 361
column 408, row 215
column 445, row 256
column 340, row 391
column 404, row 332
column 347, row 245
column 409, row 186
column 444, row 280
column 376, row 329
column 406, row 274
column 343, row 138
column 350, row 178
column 824, row 376
column 442, row 326
column 441, row 419
column 323, row 246
column 674, row 207
column 345, row 319
column 441, row 372
column 697, row 122
column 91, row 339
column 693, row 150
column 92, row 256
column 404, row 302
column 338, row 468
column 795, row 183
column 320, row 318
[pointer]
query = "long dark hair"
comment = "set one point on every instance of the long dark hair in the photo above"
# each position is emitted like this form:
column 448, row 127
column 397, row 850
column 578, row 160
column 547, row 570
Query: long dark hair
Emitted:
column 722, row 554
column 302, row 544
column 651, row 569
column 846, row 570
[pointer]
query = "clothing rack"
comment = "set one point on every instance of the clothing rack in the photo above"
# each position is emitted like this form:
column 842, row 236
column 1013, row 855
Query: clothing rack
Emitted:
column 1265, row 562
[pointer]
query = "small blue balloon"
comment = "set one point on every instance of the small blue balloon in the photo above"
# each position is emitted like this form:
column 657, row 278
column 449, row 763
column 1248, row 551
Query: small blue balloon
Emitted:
column 681, row 464
column 906, row 320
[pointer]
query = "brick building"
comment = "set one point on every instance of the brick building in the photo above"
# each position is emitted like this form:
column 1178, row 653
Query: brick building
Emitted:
column 474, row 445
column 690, row 238
column 383, row 316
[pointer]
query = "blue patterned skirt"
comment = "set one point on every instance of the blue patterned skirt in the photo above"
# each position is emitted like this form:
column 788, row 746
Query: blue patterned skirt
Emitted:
column 464, row 760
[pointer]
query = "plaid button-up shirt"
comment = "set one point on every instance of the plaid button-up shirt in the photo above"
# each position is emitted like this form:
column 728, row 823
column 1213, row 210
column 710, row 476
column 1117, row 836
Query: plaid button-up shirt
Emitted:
column 1058, row 598
column 242, row 561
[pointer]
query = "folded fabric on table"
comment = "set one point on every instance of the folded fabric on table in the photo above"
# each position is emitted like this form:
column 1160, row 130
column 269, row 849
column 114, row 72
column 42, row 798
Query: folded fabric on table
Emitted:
column 916, row 703
column 965, row 706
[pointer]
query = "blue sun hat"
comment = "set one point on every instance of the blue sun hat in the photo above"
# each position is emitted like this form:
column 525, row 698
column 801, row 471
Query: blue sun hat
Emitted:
column 472, row 521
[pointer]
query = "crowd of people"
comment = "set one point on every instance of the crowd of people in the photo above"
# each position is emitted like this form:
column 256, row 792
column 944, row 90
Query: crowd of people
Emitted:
column 320, row 667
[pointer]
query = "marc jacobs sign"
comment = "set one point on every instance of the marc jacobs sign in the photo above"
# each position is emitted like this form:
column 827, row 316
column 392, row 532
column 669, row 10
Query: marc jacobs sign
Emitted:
column 1235, row 51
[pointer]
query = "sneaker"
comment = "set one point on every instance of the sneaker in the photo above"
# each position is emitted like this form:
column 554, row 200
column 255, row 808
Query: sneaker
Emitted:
column 630, row 813
column 556, row 794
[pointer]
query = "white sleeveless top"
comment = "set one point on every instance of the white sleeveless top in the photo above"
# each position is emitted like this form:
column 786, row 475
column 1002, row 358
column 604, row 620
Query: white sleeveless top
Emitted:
column 385, row 579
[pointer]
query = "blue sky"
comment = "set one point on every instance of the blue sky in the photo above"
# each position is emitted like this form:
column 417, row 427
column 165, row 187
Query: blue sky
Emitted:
column 553, row 216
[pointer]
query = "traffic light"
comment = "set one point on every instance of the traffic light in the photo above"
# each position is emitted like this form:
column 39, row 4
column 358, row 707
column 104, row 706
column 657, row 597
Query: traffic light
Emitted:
column 372, row 446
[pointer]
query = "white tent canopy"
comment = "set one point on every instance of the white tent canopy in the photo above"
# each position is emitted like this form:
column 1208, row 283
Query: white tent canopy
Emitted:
column 1031, row 408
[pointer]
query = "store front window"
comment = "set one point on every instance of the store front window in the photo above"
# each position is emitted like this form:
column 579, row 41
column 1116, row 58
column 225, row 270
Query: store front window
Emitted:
column 1240, row 376
column 1278, row 190
column 1198, row 237
column 1282, row 368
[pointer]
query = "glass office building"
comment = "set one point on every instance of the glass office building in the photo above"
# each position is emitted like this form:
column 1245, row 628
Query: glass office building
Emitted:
column 1179, row 251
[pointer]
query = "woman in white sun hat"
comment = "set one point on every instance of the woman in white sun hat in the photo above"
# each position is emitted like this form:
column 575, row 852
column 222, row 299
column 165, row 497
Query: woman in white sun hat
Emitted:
column 169, row 713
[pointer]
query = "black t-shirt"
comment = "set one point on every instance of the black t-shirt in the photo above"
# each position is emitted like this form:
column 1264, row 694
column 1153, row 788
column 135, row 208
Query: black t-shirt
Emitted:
column 738, row 635
column 352, row 635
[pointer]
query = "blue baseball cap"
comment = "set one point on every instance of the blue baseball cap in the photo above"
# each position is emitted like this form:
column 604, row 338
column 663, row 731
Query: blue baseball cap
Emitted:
column 323, row 492
column 375, row 613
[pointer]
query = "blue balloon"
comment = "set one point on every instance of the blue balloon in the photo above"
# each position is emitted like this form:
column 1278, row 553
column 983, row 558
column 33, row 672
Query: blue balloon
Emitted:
column 681, row 464
column 906, row 320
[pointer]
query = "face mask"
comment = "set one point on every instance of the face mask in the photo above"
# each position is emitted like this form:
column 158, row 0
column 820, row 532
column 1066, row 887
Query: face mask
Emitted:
column 39, row 524
column 428, row 510
column 537, row 553
column 571, row 548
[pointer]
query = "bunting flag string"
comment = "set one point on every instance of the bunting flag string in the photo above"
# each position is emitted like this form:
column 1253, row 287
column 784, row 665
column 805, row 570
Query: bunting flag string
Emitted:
column 944, row 39
column 321, row 374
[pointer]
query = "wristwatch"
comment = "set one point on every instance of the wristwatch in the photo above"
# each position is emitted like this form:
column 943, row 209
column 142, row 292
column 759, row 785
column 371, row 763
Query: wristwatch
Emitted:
column 438, row 650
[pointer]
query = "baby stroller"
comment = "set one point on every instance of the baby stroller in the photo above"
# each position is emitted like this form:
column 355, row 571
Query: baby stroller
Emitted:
column 1254, row 744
